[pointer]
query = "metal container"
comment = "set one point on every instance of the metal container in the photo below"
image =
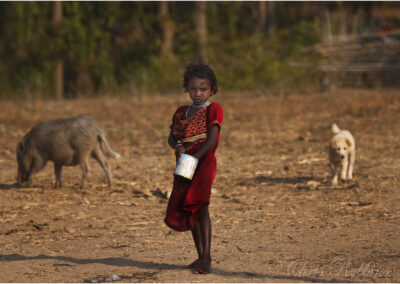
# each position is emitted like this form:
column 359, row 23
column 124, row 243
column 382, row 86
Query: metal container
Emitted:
column 186, row 166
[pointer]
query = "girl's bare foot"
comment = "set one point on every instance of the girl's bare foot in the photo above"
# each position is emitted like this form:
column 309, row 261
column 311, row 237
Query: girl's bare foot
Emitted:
column 194, row 264
column 204, row 266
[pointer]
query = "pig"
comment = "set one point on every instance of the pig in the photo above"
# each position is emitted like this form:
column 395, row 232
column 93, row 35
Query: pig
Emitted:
column 66, row 142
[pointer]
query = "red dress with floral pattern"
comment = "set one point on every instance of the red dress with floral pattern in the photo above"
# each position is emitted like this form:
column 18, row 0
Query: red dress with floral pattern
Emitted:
column 189, row 196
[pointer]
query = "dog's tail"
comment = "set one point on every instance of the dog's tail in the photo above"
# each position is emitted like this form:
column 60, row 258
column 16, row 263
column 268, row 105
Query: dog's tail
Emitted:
column 335, row 128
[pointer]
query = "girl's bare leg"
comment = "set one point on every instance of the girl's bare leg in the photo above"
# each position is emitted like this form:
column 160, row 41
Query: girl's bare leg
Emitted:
column 204, row 261
column 198, row 242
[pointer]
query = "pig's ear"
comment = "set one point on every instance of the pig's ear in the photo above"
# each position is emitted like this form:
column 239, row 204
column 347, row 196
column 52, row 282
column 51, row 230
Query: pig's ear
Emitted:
column 21, row 147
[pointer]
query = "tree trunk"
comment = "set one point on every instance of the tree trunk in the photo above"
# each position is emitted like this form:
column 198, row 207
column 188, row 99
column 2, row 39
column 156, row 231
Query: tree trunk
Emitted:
column 355, row 20
column 342, row 18
column 266, row 17
column 271, row 19
column 326, row 82
column 167, row 29
column 201, row 31
column 59, row 64
column 326, row 27
column 262, row 16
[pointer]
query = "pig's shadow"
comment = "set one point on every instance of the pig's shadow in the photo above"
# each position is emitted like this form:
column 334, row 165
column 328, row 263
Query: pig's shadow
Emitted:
column 4, row 186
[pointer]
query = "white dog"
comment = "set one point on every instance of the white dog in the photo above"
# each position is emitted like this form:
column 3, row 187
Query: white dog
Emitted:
column 342, row 153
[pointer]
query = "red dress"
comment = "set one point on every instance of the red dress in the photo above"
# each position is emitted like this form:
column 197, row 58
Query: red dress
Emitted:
column 189, row 196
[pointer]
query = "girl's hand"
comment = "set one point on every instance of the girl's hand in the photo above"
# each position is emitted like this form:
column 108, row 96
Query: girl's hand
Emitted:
column 179, row 150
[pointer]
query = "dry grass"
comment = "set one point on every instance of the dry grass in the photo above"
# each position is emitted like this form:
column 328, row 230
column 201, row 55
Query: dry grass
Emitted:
column 275, row 216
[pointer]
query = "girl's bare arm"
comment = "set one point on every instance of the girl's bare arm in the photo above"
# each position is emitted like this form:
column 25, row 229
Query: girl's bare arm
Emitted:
column 171, row 140
column 212, row 139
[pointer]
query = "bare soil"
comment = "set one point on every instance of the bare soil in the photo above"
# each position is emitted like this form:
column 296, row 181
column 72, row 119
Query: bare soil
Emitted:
column 275, row 216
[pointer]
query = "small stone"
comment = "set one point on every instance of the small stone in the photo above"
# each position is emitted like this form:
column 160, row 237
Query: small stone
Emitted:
column 112, row 278
column 313, row 183
column 160, row 193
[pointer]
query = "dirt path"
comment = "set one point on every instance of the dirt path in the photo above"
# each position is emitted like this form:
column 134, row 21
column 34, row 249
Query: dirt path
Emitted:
column 275, row 217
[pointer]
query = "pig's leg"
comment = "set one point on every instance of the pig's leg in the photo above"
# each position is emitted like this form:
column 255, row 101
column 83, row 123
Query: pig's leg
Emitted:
column 57, row 170
column 85, row 170
column 99, row 156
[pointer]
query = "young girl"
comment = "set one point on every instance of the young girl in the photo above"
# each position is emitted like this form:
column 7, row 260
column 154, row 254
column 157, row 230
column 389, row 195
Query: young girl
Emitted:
column 195, row 131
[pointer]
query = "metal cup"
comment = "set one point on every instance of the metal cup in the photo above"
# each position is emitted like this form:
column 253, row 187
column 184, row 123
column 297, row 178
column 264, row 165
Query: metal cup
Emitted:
column 186, row 166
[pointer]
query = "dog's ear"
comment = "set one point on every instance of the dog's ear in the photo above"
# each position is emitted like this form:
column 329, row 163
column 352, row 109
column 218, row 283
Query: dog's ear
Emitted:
column 348, row 142
column 333, row 144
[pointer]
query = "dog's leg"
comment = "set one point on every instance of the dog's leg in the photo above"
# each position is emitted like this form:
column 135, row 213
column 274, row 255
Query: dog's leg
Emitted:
column 334, row 174
column 352, row 158
column 344, row 163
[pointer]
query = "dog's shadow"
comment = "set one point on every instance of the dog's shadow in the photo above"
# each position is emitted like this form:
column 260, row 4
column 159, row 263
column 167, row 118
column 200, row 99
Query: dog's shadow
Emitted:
column 282, row 180
column 344, row 185
column 305, row 183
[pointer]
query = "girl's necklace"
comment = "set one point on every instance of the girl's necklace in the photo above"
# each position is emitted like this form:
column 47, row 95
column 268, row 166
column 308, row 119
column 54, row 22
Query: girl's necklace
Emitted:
column 197, row 107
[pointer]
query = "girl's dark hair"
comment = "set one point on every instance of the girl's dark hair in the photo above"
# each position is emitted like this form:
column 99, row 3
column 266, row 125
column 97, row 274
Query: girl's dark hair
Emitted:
column 201, row 71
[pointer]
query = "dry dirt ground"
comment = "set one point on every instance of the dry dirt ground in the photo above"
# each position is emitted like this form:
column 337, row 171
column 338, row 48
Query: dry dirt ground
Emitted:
column 275, row 216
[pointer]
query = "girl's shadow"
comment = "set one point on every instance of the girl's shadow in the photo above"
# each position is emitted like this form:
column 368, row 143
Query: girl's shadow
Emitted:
column 122, row 262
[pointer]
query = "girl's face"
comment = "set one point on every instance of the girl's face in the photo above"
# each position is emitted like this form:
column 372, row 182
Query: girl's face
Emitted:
column 199, row 90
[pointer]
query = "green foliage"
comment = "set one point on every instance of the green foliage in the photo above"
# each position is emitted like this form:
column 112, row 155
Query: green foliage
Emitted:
column 242, row 58
column 164, row 74
column 114, row 47
column 259, row 62
column 23, row 30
